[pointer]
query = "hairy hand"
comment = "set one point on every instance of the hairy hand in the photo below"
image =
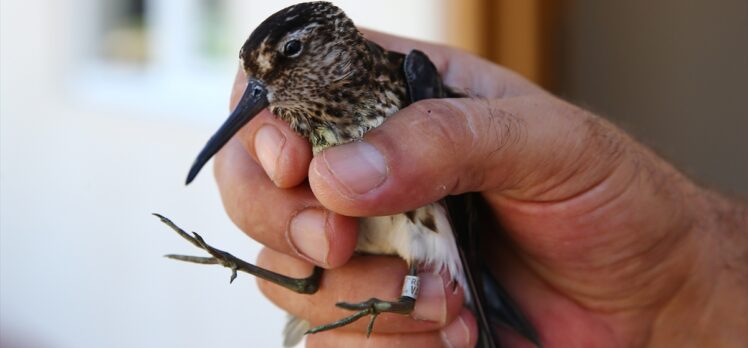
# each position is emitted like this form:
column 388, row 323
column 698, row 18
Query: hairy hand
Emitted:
column 606, row 244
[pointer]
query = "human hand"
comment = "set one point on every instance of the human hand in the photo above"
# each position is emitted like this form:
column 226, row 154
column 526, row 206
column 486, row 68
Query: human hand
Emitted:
column 606, row 244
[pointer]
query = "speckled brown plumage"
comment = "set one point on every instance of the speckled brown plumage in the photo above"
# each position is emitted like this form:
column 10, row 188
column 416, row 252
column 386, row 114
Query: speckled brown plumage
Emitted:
column 338, row 87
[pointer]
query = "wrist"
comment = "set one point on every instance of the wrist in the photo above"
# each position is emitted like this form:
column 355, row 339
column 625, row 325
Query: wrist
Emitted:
column 708, row 310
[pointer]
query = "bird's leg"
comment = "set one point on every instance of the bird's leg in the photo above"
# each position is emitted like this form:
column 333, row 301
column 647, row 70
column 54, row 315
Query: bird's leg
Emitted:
column 374, row 306
column 308, row 285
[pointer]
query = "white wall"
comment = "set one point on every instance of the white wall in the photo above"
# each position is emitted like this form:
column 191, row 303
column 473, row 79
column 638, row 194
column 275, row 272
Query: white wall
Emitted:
column 80, row 255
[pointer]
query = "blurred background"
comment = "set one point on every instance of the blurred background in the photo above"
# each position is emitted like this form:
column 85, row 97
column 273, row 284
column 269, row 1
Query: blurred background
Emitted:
column 103, row 105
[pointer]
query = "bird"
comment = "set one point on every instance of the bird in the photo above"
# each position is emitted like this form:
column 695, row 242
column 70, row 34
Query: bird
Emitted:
column 311, row 67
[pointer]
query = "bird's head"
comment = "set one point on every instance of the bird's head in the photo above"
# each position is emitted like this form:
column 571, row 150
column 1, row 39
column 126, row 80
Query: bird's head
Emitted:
column 301, row 48
column 309, row 65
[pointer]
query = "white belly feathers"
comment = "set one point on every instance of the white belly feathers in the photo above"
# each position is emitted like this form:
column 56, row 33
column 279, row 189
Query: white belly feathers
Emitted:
column 423, row 236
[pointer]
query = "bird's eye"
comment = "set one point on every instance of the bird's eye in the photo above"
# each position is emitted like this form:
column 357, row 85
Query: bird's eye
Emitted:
column 292, row 48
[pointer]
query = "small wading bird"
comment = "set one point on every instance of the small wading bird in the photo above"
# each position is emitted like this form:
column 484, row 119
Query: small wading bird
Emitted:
column 312, row 68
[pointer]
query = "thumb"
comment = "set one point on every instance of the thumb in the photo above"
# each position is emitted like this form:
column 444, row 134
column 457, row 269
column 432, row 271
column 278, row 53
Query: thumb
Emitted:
column 533, row 147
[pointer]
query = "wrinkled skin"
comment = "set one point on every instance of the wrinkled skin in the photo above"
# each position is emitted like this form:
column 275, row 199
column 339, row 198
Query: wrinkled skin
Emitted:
column 607, row 244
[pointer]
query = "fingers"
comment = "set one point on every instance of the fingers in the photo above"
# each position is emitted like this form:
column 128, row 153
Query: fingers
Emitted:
column 288, row 220
column 358, row 280
column 570, row 188
column 460, row 333
column 283, row 154
column 530, row 148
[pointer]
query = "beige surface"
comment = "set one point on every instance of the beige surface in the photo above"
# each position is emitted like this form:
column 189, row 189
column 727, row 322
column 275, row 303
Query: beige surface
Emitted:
column 674, row 73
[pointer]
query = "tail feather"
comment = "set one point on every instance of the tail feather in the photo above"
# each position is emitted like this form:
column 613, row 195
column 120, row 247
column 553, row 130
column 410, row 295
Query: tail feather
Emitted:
column 294, row 331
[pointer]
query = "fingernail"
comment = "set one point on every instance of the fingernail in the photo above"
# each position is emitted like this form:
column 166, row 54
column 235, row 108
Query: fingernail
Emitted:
column 307, row 235
column 456, row 334
column 269, row 142
column 358, row 166
column 432, row 301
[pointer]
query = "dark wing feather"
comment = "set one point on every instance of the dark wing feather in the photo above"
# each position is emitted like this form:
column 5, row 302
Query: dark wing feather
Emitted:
column 464, row 224
column 467, row 212
column 422, row 77
column 498, row 307
column 424, row 82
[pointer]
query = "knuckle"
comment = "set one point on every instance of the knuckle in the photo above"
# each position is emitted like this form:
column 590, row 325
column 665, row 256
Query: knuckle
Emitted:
column 444, row 123
column 471, row 133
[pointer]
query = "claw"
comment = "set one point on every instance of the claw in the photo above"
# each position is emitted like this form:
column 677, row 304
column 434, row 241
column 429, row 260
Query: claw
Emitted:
column 194, row 259
column 342, row 322
column 373, row 307
column 371, row 325
column 233, row 275
column 177, row 229
column 308, row 285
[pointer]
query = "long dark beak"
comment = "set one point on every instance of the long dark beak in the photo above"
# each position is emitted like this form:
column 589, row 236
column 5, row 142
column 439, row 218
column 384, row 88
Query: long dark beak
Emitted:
column 252, row 102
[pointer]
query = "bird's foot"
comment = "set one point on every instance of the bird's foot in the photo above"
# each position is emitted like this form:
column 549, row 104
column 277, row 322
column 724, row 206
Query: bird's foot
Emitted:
column 308, row 285
column 372, row 307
